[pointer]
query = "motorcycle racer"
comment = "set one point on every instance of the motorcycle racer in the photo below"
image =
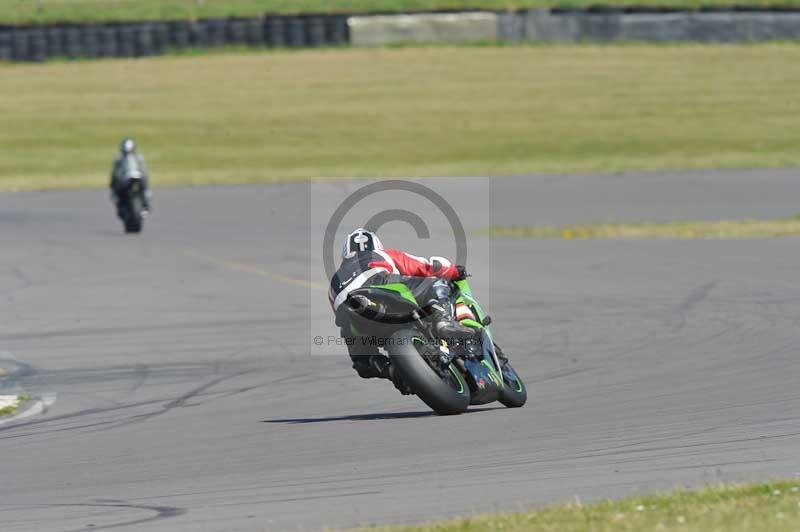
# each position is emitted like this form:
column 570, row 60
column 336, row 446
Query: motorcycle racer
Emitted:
column 129, row 165
column 365, row 262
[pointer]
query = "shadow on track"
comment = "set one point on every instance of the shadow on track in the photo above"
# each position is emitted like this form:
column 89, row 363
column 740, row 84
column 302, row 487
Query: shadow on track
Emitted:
column 372, row 417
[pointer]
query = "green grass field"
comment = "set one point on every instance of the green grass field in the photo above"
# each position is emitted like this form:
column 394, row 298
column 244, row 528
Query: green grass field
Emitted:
column 261, row 116
column 19, row 11
column 773, row 507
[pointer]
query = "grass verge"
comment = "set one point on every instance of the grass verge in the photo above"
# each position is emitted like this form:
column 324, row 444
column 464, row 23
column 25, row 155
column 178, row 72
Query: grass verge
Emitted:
column 22, row 11
column 771, row 507
column 677, row 230
column 269, row 116
column 12, row 408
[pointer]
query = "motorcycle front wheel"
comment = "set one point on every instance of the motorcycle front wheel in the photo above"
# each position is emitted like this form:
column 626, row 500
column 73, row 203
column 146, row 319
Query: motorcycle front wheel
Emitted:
column 514, row 394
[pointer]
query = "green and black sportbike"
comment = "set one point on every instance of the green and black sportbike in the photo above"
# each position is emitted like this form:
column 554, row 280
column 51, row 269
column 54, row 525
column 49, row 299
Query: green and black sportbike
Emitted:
column 447, row 377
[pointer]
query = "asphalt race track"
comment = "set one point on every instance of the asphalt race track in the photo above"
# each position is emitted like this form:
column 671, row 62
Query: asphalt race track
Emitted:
column 184, row 396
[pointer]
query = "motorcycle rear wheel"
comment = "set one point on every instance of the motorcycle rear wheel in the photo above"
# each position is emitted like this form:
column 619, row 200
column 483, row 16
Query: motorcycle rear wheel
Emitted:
column 446, row 395
column 133, row 220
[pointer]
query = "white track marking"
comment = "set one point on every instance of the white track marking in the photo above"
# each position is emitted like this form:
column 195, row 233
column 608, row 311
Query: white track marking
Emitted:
column 8, row 400
column 37, row 406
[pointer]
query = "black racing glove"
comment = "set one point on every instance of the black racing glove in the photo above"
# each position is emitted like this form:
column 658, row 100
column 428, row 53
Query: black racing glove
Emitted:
column 462, row 273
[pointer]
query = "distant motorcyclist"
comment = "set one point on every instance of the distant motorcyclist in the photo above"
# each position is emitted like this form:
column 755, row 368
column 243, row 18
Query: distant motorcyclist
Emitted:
column 129, row 165
column 366, row 263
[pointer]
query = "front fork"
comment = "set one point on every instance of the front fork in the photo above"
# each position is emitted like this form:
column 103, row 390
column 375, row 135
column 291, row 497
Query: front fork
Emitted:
column 489, row 352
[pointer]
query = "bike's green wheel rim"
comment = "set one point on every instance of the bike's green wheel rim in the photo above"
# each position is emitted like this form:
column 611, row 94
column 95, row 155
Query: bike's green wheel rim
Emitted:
column 458, row 378
column 454, row 372
column 515, row 383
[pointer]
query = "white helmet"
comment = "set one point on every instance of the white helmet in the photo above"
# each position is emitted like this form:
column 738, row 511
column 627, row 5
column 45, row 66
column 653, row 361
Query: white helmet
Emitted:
column 127, row 146
column 360, row 241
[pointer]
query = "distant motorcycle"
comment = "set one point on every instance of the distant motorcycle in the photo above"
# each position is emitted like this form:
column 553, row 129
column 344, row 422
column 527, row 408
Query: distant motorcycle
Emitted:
column 447, row 377
column 130, row 201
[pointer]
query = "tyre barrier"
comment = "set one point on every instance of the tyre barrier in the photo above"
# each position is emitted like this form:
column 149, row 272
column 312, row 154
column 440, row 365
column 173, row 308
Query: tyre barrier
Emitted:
column 54, row 42
column 107, row 42
column 254, row 32
column 316, row 31
column 73, row 46
column 37, row 43
column 126, row 46
column 236, row 32
column 596, row 23
column 215, row 29
column 5, row 45
column 275, row 29
column 608, row 24
column 90, row 42
column 338, row 31
column 180, row 34
column 198, row 35
column 144, row 40
column 295, row 32
column 161, row 40
column 19, row 46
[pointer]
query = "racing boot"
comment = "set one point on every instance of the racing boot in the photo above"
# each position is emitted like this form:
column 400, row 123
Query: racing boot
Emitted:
column 444, row 324
column 372, row 366
column 379, row 366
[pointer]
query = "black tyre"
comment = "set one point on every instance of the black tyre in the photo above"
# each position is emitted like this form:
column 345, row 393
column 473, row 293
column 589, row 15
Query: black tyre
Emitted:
column 275, row 28
column 237, row 32
column 446, row 394
column 514, row 393
column 54, row 39
column 216, row 30
column 90, row 41
column 73, row 46
column 180, row 34
column 5, row 45
column 316, row 31
column 133, row 219
column 255, row 32
column 296, row 31
column 160, row 38
column 126, row 45
column 38, row 45
column 199, row 34
column 143, row 40
column 131, row 226
column 338, row 32
column 133, row 223
column 19, row 46
column 107, row 41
